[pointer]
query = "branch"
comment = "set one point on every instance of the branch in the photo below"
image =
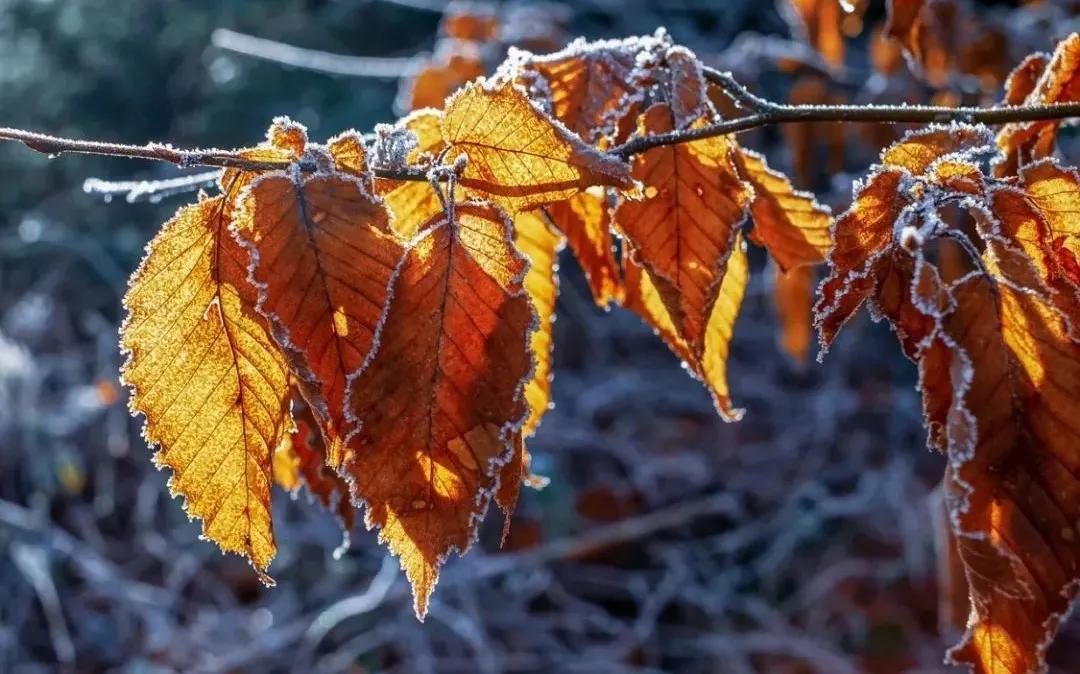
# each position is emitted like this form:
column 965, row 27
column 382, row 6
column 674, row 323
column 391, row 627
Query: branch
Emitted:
column 766, row 113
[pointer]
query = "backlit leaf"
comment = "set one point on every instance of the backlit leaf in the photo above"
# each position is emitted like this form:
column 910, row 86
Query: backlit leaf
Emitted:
column 541, row 246
column 207, row 377
column 682, row 230
column 414, row 202
column 793, row 295
column 322, row 257
column 519, row 157
column 1059, row 82
column 791, row 225
column 585, row 219
column 441, row 400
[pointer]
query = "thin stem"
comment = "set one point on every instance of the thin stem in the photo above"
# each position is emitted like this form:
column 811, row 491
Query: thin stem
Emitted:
column 765, row 113
column 312, row 59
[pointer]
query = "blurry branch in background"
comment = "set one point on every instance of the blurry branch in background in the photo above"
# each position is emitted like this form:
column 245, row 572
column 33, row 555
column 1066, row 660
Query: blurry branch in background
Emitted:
column 390, row 68
column 149, row 190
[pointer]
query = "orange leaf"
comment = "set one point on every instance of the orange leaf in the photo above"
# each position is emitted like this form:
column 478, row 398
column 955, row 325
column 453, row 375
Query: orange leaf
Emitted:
column 586, row 221
column 822, row 20
column 590, row 84
column 1059, row 82
column 454, row 63
column 440, row 401
column 682, row 230
column 301, row 461
column 322, row 258
column 207, row 377
column 710, row 366
column 793, row 295
column 518, row 156
column 792, row 225
column 541, row 246
column 1015, row 493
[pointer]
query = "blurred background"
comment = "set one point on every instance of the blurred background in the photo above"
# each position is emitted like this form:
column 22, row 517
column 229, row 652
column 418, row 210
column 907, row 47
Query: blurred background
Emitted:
column 801, row 539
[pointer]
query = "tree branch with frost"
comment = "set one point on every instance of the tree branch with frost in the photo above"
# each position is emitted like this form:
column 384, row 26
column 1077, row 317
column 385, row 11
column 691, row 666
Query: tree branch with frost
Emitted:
column 764, row 113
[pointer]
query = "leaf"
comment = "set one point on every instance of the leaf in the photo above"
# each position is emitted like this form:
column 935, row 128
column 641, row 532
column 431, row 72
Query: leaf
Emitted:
column 793, row 295
column 301, row 461
column 644, row 298
column 414, row 202
column 1059, row 82
column 454, row 63
column 440, row 401
column 1015, row 494
column 541, row 247
column 519, row 157
column 590, row 84
column 903, row 23
column 791, row 225
column 349, row 155
column 586, row 221
column 863, row 247
column 822, row 22
column 207, row 377
column 322, row 257
column 682, row 230
column 475, row 22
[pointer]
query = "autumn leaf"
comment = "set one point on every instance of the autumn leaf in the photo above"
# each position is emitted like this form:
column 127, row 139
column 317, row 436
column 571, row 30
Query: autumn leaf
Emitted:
column 864, row 246
column 475, row 22
column 441, row 400
column 793, row 296
column 301, row 462
column 1015, row 494
column 322, row 256
column 518, row 157
column 454, row 63
column 644, row 298
column 903, row 23
column 822, row 20
column 1058, row 82
column 590, row 84
column 791, row 225
column 585, row 219
column 681, row 232
column 207, row 377
column 541, row 246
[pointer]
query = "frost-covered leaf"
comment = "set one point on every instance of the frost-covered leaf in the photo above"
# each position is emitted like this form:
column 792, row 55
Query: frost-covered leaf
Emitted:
column 441, row 400
column 682, row 231
column 518, row 156
column 207, row 377
column 322, row 256
column 585, row 219
column 414, row 202
column 791, row 225
column 1058, row 82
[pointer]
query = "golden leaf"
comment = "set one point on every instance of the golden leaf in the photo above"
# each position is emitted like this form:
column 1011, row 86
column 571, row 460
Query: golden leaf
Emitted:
column 519, row 157
column 415, row 202
column 541, row 246
column 207, row 377
column 793, row 295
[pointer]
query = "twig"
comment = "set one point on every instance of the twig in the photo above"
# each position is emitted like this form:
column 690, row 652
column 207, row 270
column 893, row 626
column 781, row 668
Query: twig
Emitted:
column 151, row 190
column 386, row 68
column 767, row 113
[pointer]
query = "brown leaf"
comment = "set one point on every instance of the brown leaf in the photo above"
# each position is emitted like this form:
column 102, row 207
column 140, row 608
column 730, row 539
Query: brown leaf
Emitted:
column 441, row 400
column 791, row 225
column 1059, row 82
column 682, row 230
column 586, row 221
column 322, row 257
